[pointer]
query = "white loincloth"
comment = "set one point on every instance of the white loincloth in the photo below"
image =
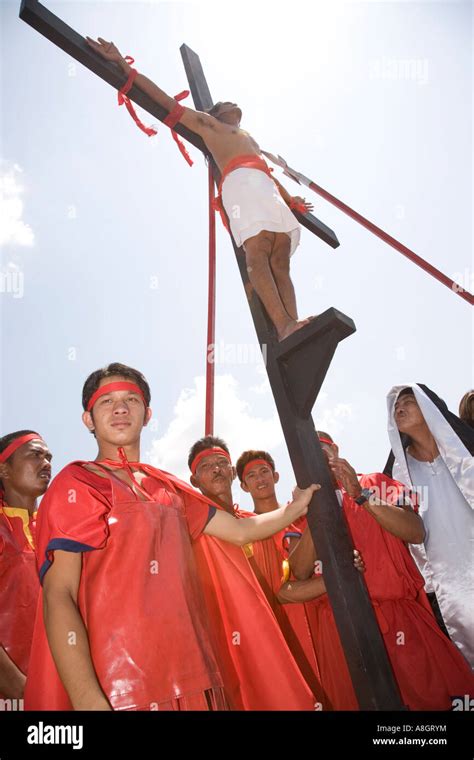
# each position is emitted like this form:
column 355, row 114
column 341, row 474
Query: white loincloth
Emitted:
column 253, row 203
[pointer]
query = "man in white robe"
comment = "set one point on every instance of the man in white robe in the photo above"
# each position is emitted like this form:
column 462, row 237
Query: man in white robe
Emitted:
column 431, row 454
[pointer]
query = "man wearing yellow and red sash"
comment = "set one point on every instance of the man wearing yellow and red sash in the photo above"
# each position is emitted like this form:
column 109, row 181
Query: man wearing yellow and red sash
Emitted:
column 25, row 472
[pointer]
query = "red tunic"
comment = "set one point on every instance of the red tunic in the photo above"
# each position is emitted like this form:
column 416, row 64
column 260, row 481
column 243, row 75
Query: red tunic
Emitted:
column 292, row 618
column 259, row 670
column 19, row 586
column 427, row 666
column 139, row 595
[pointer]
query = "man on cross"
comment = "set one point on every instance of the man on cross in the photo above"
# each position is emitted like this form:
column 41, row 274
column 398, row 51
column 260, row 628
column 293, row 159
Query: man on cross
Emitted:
column 257, row 206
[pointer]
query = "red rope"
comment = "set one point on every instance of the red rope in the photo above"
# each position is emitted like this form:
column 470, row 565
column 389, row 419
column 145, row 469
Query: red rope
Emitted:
column 211, row 313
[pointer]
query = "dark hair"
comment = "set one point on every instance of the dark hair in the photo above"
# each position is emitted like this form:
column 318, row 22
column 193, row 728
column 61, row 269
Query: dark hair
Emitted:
column 214, row 109
column 248, row 456
column 205, row 443
column 93, row 381
column 322, row 434
column 406, row 392
column 466, row 408
column 7, row 439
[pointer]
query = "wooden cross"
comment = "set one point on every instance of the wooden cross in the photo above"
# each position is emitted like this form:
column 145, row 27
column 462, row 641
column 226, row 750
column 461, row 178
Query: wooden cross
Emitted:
column 296, row 369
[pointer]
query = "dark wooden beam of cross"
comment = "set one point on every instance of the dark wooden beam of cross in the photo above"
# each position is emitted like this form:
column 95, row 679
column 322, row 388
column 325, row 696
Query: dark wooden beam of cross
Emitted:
column 296, row 369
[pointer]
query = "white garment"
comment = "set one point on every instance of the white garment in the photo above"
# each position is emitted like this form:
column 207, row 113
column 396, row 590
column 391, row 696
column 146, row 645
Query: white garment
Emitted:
column 440, row 568
column 253, row 203
column 448, row 547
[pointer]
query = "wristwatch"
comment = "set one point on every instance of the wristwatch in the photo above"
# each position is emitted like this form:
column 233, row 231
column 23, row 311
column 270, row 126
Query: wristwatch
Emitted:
column 365, row 495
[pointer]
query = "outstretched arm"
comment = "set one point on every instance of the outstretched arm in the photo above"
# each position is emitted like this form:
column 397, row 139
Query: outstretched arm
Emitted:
column 400, row 521
column 242, row 532
column 197, row 121
column 295, row 198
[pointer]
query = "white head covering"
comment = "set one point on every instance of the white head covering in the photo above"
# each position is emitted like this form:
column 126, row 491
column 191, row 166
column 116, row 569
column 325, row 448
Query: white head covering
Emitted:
column 445, row 563
column 453, row 451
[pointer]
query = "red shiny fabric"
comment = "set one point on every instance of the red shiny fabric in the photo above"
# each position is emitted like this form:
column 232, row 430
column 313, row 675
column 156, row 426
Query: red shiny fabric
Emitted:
column 19, row 585
column 427, row 666
column 257, row 666
column 292, row 618
column 139, row 595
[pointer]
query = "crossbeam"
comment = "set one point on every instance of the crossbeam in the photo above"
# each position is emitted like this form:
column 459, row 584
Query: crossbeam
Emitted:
column 57, row 31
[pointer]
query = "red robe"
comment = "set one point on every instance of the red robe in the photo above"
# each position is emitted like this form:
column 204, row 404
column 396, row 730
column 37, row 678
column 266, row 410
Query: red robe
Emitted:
column 139, row 595
column 269, row 555
column 259, row 670
column 427, row 666
column 19, row 586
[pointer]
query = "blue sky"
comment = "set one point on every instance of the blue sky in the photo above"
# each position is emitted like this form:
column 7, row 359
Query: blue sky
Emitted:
column 104, row 254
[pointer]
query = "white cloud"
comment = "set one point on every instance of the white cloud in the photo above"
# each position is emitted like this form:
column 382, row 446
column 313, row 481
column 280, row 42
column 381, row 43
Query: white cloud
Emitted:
column 331, row 419
column 234, row 421
column 13, row 230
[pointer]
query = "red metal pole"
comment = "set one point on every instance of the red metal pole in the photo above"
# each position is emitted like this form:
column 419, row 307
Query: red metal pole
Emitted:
column 211, row 314
column 425, row 265
column 394, row 243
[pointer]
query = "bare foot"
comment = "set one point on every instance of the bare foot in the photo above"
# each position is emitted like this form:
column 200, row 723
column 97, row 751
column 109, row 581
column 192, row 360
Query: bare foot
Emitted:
column 292, row 327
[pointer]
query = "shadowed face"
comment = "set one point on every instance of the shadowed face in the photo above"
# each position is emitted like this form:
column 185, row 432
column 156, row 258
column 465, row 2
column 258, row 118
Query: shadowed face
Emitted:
column 229, row 113
column 214, row 475
column 407, row 414
column 330, row 450
column 28, row 470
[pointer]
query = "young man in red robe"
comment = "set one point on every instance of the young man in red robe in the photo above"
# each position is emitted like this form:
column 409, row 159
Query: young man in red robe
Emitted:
column 25, row 472
column 255, row 660
column 428, row 668
column 122, row 625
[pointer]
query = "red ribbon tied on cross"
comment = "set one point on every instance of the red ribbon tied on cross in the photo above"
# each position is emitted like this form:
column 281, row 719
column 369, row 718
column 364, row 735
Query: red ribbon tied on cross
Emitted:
column 171, row 120
column 298, row 206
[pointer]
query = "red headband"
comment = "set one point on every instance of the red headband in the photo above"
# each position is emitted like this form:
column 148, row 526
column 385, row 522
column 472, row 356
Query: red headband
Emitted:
column 14, row 445
column 109, row 387
column 253, row 463
column 206, row 453
column 326, row 440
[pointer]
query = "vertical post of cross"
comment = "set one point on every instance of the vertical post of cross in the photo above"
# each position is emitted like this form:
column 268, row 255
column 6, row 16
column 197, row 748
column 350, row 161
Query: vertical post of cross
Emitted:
column 296, row 368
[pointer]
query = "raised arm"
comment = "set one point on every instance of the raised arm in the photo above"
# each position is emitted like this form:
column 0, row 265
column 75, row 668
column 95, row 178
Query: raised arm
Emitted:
column 241, row 532
column 303, row 556
column 197, row 121
column 401, row 521
column 63, row 619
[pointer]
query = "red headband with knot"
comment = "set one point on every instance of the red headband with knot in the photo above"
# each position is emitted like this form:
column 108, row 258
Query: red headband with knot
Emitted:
column 14, row 445
column 206, row 453
column 254, row 463
column 119, row 386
